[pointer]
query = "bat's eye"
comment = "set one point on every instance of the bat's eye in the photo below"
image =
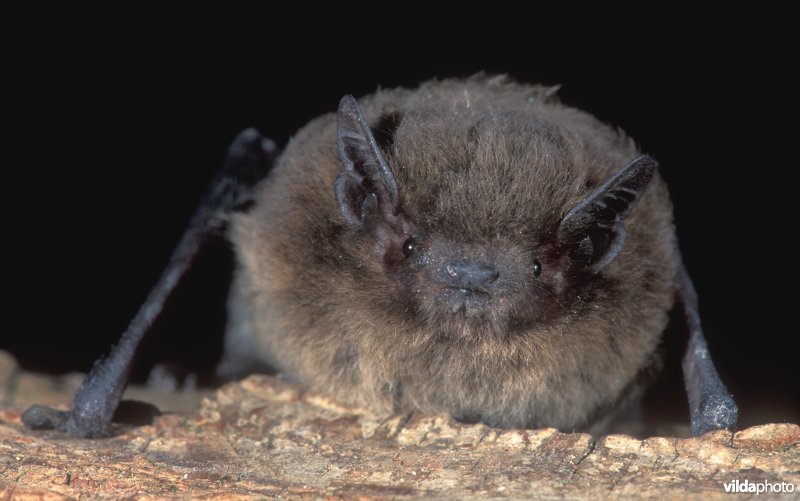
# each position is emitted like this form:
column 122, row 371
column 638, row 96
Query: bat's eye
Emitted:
column 537, row 268
column 409, row 246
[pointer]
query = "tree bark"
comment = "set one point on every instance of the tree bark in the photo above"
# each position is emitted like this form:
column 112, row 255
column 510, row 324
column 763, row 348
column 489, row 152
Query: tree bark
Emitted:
column 265, row 437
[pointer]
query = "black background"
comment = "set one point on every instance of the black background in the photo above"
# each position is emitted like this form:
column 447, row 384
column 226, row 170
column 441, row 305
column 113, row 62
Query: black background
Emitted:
column 113, row 135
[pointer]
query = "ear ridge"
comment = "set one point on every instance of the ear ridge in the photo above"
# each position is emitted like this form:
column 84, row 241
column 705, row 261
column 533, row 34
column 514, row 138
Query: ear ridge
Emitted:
column 595, row 226
column 365, row 180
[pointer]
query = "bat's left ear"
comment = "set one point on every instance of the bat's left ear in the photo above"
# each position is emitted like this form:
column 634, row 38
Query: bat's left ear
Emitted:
column 366, row 185
column 593, row 231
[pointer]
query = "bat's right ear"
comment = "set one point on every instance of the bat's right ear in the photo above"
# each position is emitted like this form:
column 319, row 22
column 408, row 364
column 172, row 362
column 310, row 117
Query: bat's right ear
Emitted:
column 366, row 185
column 594, row 230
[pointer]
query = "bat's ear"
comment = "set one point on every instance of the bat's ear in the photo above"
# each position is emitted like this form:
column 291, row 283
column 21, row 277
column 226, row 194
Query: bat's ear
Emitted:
column 593, row 231
column 366, row 185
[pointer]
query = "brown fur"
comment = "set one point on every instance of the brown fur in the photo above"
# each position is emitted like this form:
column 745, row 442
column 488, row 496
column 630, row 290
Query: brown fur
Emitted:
column 482, row 164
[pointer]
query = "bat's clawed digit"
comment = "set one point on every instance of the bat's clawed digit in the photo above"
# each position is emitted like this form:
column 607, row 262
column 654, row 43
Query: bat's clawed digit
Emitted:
column 711, row 406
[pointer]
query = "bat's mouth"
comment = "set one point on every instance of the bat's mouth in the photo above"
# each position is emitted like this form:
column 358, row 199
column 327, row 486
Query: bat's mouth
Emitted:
column 470, row 291
column 469, row 300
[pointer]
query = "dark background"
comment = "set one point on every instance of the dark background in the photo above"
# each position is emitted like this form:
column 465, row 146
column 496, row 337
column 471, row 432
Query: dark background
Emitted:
column 113, row 135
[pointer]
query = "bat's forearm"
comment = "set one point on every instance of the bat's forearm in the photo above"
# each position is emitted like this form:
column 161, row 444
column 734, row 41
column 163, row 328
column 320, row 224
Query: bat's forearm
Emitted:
column 94, row 404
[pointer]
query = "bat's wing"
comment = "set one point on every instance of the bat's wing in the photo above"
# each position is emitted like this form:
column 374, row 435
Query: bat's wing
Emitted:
column 711, row 406
column 249, row 160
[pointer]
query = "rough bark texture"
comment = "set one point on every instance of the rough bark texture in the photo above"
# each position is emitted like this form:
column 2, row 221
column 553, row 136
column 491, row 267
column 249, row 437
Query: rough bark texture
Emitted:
column 265, row 437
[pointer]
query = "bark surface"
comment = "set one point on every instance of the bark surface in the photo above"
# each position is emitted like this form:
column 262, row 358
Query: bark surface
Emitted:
column 265, row 437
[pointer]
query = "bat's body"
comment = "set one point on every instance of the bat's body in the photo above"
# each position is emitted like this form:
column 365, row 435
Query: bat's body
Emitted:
column 469, row 247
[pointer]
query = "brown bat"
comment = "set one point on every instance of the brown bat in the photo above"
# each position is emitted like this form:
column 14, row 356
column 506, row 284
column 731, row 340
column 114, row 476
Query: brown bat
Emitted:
column 470, row 247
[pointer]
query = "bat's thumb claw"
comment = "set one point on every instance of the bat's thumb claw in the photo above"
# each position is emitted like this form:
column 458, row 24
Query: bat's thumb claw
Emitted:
column 718, row 412
column 39, row 417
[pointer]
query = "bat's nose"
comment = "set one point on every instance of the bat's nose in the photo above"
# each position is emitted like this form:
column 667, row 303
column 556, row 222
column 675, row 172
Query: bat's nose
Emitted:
column 470, row 275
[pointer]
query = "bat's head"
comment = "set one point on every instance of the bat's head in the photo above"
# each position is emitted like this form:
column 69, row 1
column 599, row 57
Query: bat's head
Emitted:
column 481, row 235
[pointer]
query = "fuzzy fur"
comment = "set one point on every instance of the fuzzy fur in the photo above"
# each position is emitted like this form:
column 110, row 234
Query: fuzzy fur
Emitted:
column 485, row 167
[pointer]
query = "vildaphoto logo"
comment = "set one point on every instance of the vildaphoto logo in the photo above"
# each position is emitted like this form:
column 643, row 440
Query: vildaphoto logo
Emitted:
column 758, row 487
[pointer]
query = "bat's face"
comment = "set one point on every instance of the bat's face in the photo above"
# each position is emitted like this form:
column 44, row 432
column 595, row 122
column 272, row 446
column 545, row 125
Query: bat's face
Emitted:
column 473, row 262
column 476, row 287
column 468, row 218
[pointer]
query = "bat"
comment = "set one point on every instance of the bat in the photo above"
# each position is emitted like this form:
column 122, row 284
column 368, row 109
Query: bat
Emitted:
column 471, row 247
